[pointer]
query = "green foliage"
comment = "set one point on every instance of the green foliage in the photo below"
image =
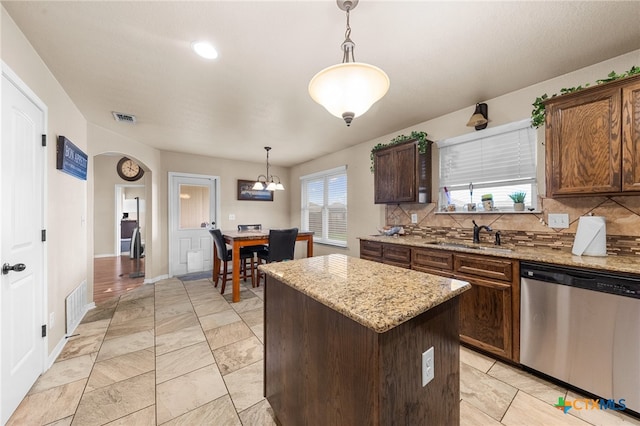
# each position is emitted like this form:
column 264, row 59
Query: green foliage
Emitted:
column 423, row 143
column 537, row 114
column 518, row 197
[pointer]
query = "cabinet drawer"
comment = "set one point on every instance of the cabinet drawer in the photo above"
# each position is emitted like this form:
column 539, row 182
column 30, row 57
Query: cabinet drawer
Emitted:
column 371, row 250
column 428, row 258
column 484, row 266
column 393, row 254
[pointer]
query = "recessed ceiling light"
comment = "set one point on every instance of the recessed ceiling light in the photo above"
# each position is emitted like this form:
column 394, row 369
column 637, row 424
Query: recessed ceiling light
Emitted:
column 204, row 49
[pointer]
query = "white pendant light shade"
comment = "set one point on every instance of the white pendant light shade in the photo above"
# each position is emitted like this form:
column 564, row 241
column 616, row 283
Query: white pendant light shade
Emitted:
column 258, row 186
column 351, row 87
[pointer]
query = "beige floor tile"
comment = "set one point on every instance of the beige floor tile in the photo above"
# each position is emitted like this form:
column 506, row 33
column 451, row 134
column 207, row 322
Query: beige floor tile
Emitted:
column 171, row 299
column 259, row 414
column 62, row 422
column 472, row 416
column 484, row 392
column 175, row 323
column 81, row 345
column 238, row 355
column 245, row 385
column 63, row 372
column 126, row 344
column 173, row 310
column 118, row 400
column 187, row 392
column 132, row 326
column 144, row 417
column 476, row 360
column 208, row 308
column 179, row 339
column 141, row 292
column 117, row 369
column 48, row 406
column 219, row 319
column 258, row 330
column 522, row 380
column 253, row 317
column 92, row 328
column 218, row 412
column 601, row 417
column 128, row 311
column 100, row 313
column 228, row 334
column 182, row 361
column 248, row 304
column 525, row 410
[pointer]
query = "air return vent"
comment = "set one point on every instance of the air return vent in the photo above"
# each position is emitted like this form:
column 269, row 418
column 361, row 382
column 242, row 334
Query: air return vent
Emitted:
column 124, row 118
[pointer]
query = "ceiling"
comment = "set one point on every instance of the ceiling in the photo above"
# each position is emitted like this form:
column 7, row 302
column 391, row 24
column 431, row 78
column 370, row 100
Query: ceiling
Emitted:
column 135, row 58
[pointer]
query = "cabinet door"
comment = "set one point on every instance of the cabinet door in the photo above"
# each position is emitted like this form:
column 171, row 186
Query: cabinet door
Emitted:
column 371, row 250
column 395, row 176
column 486, row 317
column 631, row 137
column 583, row 144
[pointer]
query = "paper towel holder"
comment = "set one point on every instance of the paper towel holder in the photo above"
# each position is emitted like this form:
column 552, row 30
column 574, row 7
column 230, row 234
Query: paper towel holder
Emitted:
column 591, row 237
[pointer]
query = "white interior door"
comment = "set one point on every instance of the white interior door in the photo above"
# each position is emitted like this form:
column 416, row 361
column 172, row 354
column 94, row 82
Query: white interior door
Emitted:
column 22, row 352
column 193, row 201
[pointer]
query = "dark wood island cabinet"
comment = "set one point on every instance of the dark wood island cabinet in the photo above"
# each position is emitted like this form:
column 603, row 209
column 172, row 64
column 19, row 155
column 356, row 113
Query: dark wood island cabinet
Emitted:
column 344, row 339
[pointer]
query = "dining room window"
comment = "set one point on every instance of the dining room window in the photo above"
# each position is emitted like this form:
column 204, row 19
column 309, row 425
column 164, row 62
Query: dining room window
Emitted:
column 324, row 206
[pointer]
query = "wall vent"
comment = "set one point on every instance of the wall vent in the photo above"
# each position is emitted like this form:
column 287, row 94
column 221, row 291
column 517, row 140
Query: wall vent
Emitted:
column 124, row 118
column 75, row 307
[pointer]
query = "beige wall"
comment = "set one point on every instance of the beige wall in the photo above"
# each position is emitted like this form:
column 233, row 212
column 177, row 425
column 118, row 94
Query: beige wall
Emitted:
column 104, row 216
column 365, row 217
column 102, row 141
column 66, row 208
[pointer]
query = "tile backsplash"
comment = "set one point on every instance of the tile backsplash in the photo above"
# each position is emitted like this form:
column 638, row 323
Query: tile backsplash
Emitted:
column 622, row 214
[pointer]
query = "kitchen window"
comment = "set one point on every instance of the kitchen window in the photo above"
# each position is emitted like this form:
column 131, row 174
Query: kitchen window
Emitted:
column 324, row 206
column 497, row 161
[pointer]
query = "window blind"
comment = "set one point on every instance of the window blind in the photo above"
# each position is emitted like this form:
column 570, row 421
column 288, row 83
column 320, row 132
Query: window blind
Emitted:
column 501, row 155
column 324, row 205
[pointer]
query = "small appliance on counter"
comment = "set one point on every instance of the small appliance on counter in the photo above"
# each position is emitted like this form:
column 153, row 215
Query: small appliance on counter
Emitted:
column 591, row 237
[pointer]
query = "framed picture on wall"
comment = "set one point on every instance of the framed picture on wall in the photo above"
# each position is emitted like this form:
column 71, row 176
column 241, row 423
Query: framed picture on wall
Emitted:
column 246, row 192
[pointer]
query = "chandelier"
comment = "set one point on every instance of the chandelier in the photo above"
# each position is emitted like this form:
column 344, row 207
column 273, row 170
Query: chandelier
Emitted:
column 267, row 181
column 349, row 89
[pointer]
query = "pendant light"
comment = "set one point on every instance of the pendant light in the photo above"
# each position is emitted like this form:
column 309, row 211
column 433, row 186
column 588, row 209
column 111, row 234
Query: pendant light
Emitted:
column 349, row 89
column 267, row 181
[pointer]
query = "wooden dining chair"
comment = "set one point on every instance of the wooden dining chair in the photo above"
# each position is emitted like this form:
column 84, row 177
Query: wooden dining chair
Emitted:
column 225, row 255
column 255, row 248
column 282, row 246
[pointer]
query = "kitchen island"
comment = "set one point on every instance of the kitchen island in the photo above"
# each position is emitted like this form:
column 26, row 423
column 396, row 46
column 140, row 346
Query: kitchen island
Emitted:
column 344, row 339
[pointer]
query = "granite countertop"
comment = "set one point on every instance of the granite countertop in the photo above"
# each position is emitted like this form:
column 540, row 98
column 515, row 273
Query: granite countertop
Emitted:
column 628, row 264
column 378, row 296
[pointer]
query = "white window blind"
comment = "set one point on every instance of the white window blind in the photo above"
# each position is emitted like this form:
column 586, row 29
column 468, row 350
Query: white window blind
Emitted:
column 324, row 206
column 494, row 160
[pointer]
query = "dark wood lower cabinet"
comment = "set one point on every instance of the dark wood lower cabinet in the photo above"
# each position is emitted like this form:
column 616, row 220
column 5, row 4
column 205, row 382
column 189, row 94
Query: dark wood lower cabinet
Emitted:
column 323, row 368
column 490, row 311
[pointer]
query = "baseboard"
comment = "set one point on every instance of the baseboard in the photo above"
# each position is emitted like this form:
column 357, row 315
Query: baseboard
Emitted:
column 156, row 279
column 99, row 256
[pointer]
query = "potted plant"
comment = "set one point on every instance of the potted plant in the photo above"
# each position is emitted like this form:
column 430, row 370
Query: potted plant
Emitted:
column 518, row 200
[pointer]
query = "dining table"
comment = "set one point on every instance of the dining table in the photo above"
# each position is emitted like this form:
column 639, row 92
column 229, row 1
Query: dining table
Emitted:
column 239, row 239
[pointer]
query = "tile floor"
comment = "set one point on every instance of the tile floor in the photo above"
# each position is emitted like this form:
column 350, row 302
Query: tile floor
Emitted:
column 178, row 353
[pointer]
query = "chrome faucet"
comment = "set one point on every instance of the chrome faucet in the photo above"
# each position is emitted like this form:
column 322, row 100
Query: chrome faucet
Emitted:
column 477, row 229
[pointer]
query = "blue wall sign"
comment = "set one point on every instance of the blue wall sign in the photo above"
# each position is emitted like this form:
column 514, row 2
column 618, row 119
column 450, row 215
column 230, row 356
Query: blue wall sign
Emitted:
column 70, row 159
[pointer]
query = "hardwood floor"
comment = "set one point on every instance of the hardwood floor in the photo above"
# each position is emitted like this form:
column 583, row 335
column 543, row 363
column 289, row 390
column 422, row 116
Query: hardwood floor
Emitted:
column 111, row 277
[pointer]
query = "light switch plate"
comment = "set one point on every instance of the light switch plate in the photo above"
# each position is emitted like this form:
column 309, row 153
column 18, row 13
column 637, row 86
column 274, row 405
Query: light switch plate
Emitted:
column 558, row 220
column 414, row 217
column 232, row 216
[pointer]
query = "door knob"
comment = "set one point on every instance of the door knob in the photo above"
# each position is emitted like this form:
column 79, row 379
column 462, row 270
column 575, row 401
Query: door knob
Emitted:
column 17, row 267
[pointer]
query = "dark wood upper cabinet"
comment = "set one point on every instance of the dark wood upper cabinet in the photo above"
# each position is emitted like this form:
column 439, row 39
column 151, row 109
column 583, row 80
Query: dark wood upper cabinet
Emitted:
column 402, row 174
column 592, row 140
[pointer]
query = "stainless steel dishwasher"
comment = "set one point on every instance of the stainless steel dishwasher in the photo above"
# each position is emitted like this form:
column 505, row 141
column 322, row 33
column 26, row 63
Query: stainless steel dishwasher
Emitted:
column 583, row 328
